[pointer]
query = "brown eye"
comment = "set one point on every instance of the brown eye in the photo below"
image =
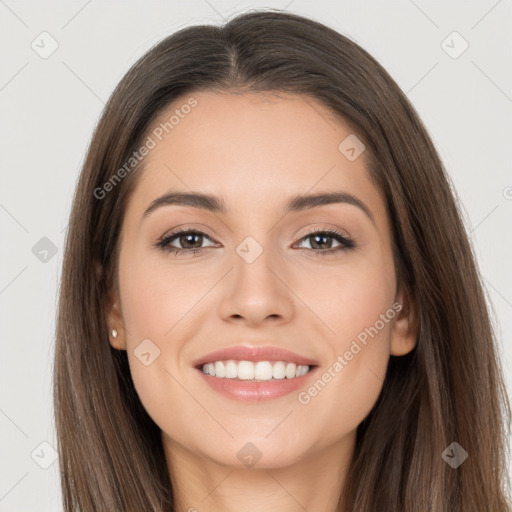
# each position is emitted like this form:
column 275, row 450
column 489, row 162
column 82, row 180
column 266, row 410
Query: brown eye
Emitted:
column 193, row 239
column 188, row 241
column 321, row 242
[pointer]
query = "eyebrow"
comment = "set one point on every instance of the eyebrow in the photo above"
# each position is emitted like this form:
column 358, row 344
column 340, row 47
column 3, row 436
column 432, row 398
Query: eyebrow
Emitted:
column 215, row 204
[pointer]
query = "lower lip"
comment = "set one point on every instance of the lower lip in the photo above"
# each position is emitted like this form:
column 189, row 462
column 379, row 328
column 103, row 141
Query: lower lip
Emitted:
column 249, row 391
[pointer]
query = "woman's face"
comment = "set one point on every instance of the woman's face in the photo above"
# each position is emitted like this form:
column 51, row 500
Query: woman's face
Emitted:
column 266, row 276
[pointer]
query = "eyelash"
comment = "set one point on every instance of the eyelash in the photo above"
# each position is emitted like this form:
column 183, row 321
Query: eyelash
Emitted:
column 346, row 243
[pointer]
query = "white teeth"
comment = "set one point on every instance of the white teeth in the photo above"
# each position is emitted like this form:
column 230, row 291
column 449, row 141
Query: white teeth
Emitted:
column 260, row 371
column 291, row 371
column 279, row 370
column 231, row 370
column 220, row 369
column 245, row 370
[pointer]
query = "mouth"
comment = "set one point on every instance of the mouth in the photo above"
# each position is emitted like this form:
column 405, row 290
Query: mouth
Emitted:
column 255, row 381
column 254, row 371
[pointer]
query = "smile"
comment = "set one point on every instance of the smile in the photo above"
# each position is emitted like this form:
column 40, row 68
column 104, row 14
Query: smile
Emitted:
column 249, row 381
column 256, row 371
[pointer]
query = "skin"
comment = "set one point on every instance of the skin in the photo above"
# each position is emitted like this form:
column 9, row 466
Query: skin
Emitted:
column 256, row 151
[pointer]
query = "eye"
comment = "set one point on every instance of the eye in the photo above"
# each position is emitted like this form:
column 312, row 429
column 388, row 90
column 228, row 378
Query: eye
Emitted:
column 321, row 238
column 190, row 241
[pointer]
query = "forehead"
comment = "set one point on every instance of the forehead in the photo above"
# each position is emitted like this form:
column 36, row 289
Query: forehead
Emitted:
column 253, row 150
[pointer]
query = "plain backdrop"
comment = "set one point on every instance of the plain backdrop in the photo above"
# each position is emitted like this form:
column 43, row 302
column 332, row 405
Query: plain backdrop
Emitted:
column 50, row 103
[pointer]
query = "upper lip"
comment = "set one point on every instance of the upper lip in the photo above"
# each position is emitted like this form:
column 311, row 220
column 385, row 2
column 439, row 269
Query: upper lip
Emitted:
column 254, row 354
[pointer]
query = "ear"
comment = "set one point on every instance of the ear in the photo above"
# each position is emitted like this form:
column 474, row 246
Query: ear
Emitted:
column 404, row 333
column 115, row 322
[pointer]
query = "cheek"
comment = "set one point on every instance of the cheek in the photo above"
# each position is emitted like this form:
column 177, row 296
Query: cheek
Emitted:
column 155, row 303
column 352, row 298
column 155, row 297
column 360, row 315
column 359, row 310
column 349, row 383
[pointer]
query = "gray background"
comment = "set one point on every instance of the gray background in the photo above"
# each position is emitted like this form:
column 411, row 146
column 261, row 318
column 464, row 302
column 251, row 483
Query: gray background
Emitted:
column 49, row 107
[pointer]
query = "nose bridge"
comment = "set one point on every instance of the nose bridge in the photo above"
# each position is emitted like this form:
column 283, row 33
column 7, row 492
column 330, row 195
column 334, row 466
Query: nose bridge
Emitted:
column 255, row 263
column 256, row 243
column 256, row 287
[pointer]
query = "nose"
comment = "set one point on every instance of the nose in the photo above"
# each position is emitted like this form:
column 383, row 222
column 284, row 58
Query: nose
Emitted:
column 255, row 291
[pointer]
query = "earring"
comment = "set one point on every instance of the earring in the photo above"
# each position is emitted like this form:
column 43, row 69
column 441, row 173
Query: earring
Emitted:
column 114, row 333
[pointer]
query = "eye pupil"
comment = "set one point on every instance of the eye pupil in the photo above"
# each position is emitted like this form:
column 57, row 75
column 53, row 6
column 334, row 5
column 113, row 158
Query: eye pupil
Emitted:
column 320, row 236
column 185, row 239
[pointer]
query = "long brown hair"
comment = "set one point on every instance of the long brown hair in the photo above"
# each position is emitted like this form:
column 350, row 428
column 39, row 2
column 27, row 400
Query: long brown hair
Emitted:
column 450, row 388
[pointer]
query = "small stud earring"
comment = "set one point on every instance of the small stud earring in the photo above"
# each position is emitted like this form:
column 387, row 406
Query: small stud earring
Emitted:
column 114, row 333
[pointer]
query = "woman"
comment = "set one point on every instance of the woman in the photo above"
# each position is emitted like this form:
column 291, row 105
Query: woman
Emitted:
column 324, row 343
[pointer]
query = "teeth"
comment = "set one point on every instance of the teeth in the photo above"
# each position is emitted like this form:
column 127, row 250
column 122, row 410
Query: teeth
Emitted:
column 259, row 371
